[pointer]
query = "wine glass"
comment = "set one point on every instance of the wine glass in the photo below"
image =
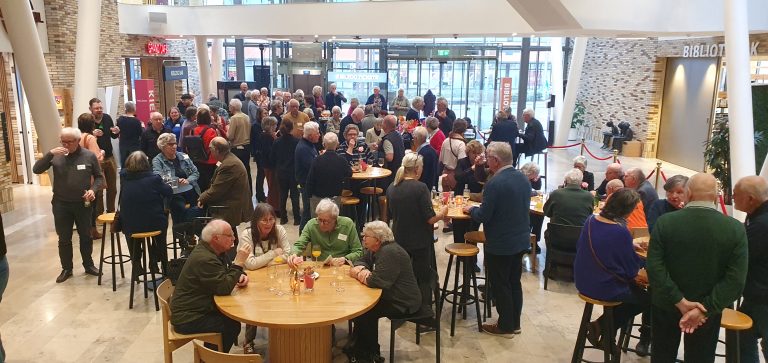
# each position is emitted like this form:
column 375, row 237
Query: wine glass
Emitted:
column 316, row 252
column 334, row 276
column 272, row 274
column 381, row 162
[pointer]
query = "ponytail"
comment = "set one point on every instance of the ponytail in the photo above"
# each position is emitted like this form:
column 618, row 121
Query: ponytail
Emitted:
column 411, row 163
column 399, row 175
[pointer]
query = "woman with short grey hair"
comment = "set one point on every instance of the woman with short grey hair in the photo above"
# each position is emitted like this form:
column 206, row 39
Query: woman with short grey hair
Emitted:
column 266, row 140
column 416, row 106
column 675, row 188
column 333, row 124
column 588, row 179
column 171, row 165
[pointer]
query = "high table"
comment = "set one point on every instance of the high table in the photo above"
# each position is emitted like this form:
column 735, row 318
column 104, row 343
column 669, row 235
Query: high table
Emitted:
column 456, row 211
column 299, row 326
column 372, row 173
column 537, row 205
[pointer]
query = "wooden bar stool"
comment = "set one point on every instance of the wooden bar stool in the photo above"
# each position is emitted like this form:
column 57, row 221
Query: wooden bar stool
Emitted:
column 534, row 260
column 464, row 253
column 371, row 193
column 140, row 275
column 733, row 322
column 346, row 193
column 475, row 238
column 112, row 259
column 609, row 355
column 350, row 204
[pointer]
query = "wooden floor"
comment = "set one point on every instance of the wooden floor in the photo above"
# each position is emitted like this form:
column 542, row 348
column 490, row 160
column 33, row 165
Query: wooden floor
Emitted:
column 78, row 321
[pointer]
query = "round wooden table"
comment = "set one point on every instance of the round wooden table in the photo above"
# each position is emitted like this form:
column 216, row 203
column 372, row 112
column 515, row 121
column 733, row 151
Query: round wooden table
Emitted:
column 372, row 172
column 643, row 253
column 457, row 211
column 537, row 205
column 299, row 326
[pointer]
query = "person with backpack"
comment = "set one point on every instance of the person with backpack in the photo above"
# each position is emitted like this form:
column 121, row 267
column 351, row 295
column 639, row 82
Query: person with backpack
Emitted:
column 197, row 146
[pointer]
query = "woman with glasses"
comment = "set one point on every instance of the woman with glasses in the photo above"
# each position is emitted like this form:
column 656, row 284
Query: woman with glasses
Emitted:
column 177, row 166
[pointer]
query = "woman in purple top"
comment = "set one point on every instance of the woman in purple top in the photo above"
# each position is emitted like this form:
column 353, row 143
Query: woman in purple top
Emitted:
column 606, row 264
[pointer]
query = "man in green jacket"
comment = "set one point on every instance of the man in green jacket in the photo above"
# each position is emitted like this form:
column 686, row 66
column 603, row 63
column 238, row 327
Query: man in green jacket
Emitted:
column 697, row 265
column 569, row 205
column 205, row 275
column 336, row 236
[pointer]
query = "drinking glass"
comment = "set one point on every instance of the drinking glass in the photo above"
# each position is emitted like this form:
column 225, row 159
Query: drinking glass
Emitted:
column 381, row 162
column 272, row 274
column 282, row 281
column 316, row 252
column 334, row 276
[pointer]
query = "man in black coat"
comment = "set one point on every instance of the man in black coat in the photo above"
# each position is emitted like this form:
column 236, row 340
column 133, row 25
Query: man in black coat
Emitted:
column 504, row 130
column 333, row 98
column 534, row 141
column 445, row 115
column 429, row 155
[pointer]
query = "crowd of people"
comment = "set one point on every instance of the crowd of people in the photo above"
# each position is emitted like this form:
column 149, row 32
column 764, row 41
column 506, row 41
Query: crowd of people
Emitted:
column 197, row 162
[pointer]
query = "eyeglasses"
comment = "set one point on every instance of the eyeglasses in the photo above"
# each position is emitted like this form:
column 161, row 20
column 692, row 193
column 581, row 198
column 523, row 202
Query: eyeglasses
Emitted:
column 326, row 221
column 267, row 220
column 67, row 142
column 226, row 235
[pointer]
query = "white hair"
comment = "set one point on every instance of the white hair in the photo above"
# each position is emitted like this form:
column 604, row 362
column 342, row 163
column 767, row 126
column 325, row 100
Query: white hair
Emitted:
column 130, row 107
column 500, row 150
column 299, row 92
column 263, row 89
column 214, row 227
column 326, row 205
column 377, row 87
column 310, row 128
column 529, row 112
column 332, row 85
column 71, row 131
column 417, row 100
column 354, row 100
column 165, row 139
column 248, row 94
column 530, row 169
column 580, row 159
column 309, row 112
column 203, row 106
column 336, row 109
column 573, row 176
column 236, row 104
column 317, row 89
column 379, row 230
column 442, row 99
column 330, row 141
column 420, row 133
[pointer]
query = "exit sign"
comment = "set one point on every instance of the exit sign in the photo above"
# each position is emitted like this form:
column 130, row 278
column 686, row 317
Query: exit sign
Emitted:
column 443, row 52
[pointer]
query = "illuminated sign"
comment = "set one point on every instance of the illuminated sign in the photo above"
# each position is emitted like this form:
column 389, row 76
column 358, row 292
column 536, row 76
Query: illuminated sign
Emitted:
column 157, row 48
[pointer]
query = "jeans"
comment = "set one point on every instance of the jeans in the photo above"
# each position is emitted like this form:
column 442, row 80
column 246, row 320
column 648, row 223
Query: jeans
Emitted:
column 288, row 185
column 504, row 273
column 4, row 273
column 177, row 205
column 65, row 214
column 758, row 311
column 665, row 337
column 213, row 322
column 245, row 156
column 109, row 168
column 305, row 208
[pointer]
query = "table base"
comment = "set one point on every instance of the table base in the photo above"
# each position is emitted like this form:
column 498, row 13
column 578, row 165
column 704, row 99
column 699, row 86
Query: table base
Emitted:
column 300, row 345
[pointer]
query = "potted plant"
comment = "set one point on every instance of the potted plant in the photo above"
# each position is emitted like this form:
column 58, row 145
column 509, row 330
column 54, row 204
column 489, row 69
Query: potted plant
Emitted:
column 717, row 155
column 577, row 121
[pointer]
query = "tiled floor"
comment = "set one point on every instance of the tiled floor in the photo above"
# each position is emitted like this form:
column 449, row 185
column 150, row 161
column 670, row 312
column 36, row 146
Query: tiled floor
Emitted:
column 78, row 321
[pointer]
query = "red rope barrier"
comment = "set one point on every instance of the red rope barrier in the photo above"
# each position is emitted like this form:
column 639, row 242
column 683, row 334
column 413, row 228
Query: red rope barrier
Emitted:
column 618, row 161
column 562, row 147
column 663, row 176
column 722, row 205
column 651, row 174
column 593, row 155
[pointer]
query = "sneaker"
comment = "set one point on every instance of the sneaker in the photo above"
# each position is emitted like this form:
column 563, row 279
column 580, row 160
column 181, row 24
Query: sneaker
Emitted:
column 493, row 329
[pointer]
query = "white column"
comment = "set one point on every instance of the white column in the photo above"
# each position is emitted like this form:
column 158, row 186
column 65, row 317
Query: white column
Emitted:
column 86, row 54
column 217, row 50
column 741, row 137
column 28, row 53
column 203, row 66
column 569, row 101
column 556, row 58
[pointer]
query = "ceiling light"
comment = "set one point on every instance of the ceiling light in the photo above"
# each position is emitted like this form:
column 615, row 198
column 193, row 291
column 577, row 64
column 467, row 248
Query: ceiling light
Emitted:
column 514, row 34
column 316, row 35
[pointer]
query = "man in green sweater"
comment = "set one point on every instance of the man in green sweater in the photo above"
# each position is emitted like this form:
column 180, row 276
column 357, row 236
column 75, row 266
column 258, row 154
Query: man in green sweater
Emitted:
column 336, row 236
column 697, row 265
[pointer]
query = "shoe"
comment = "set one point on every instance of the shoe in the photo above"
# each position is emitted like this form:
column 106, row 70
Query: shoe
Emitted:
column 643, row 348
column 296, row 221
column 493, row 329
column 63, row 276
column 283, row 220
column 593, row 333
column 92, row 270
column 517, row 331
column 95, row 233
column 249, row 348
column 477, row 268
column 152, row 284
column 448, row 229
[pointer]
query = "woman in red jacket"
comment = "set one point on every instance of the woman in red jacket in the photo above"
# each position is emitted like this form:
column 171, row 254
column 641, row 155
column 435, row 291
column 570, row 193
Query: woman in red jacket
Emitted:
column 206, row 131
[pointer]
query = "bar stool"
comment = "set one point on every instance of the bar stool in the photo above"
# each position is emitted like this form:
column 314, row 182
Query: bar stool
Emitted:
column 475, row 238
column 534, row 260
column 346, row 193
column 464, row 253
column 733, row 322
column 608, row 344
column 112, row 259
column 372, row 193
column 138, row 275
column 350, row 204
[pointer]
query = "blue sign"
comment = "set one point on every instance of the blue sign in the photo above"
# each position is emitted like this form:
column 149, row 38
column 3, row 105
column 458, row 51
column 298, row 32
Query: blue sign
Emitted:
column 175, row 73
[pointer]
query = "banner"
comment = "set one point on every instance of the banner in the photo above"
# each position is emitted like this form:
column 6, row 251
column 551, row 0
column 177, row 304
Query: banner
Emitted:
column 145, row 99
column 505, row 93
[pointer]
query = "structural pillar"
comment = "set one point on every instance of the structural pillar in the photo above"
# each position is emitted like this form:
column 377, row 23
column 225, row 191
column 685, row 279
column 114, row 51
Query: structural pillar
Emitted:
column 86, row 48
column 522, row 86
column 204, row 66
column 556, row 57
column 740, row 123
column 217, row 48
column 28, row 52
column 571, row 89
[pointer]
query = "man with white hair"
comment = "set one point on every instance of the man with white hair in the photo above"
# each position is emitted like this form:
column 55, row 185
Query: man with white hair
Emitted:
column 148, row 140
column 297, row 117
column 335, row 235
column 239, row 136
column 304, row 156
column 243, row 89
column 253, row 109
column 534, row 141
column 612, row 171
column 204, row 276
column 393, row 148
column 414, row 113
column 263, row 98
column 354, row 117
column 333, row 97
column 445, row 116
column 229, row 186
column 422, row 147
column 76, row 178
column 635, row 179
column 329, row 172
column 569, row 205
column 377, row 99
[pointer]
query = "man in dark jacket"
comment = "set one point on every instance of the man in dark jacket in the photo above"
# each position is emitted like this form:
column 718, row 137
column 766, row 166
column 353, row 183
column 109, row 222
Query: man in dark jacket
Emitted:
column 534, row 140
column 635, row 179
column 445, row 116
column 304, row 155
column 105, row 130
column 229, row 186
column 377, row 99
column 751, row 196
column 333, row 98
column 204, row 276
column 422, row 147
column 391, row 145
column 504, row 130
column 569, row 205
column 148, row 140
column 328, row 172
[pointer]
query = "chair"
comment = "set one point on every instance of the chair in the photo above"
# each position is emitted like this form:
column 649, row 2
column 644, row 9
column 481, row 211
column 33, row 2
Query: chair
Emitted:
column 423, row 317
column 733, row 322
column 464, row 253
column 640, row 232
column 610, row 354
column 475, row 238
column 112, row 259
column 205, row 355
column 371, row 194
column 173, row 340
column 561, row 247
column 140, row 274
column 350, row 203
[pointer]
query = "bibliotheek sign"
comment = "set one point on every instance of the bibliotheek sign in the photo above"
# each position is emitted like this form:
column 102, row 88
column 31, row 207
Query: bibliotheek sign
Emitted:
column 712, row 50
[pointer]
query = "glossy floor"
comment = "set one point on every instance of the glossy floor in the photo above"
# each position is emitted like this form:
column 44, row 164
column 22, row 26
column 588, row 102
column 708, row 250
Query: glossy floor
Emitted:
column 78, row 321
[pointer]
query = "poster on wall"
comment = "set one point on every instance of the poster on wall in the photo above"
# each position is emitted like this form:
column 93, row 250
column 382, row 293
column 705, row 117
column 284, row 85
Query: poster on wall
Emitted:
column 505, row 93
column 145, row 99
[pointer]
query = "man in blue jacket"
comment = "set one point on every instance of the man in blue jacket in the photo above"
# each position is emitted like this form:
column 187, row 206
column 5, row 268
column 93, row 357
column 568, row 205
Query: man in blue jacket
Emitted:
column 534, row 140
column 504, row 214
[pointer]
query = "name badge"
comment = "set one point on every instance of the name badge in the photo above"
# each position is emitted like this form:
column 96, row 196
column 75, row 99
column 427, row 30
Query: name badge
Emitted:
column 342, row 237
column 240, row 147
column 185, row 157
column 81, row 167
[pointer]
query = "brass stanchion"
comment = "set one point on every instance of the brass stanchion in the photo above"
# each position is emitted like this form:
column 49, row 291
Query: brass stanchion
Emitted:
column 582, row 147
column 658, row 174
column 615, row 156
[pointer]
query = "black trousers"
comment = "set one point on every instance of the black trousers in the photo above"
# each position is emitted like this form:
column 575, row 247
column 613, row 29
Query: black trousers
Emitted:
column 244, row 155
column 206, row 174
column 424, row 271
column 366, row 333
column 213, row 322
column 158, row 251
column 665, row 338
column 288, row 185
column 536, row 222
column 504, row 272
column 635, row 302
column 518, row 149
column 65, row 214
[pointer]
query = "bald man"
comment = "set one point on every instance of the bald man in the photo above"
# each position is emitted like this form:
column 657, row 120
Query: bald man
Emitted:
column 297, row 117
column 750, row 196
column 613, row 171
column 355, row 117
column 697, row 265
column 148, row 140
